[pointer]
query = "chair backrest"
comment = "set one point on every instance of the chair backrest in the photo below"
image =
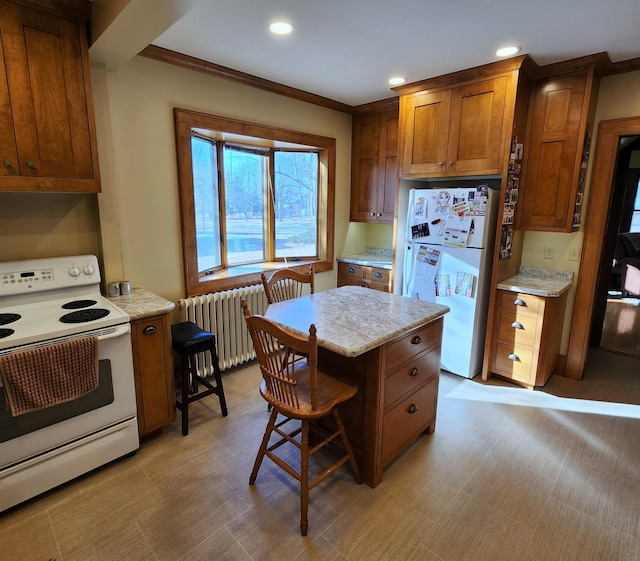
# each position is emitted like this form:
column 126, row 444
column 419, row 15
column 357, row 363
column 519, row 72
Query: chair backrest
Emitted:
column 286, row 284
column 282, row 355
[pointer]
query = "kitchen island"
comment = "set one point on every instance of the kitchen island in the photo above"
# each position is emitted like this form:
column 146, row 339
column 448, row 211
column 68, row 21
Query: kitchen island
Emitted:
column 387, row 344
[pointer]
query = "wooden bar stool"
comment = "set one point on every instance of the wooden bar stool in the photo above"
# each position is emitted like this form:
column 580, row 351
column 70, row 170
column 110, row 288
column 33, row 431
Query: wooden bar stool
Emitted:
column 187, row 339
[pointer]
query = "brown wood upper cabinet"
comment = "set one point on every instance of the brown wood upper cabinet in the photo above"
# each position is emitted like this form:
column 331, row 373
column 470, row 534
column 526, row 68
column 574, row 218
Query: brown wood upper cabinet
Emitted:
column 374, row 167
column 556, row 153
column 453, row 132
column 47, row 133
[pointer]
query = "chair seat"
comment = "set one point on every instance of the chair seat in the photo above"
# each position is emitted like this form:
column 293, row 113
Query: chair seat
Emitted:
column 188, row 338
column 332, row 390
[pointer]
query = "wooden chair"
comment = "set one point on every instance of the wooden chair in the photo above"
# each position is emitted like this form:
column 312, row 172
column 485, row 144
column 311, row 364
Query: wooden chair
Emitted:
column 298, row 390
column 286, row 284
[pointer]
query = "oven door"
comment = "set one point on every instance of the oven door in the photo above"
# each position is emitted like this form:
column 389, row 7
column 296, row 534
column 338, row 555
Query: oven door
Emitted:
column 111, row 403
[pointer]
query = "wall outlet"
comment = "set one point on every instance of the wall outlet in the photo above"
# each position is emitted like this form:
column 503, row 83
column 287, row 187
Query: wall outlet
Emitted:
column 574, row 254
column 549, row 252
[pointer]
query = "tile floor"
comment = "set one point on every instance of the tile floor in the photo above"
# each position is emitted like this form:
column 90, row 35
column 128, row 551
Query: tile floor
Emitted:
column 508, row 475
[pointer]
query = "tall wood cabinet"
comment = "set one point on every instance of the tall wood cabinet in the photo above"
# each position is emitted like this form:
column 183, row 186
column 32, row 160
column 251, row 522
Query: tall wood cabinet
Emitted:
column 153, row 372
column 557, row 151
column 374, row 170
column 47, row 131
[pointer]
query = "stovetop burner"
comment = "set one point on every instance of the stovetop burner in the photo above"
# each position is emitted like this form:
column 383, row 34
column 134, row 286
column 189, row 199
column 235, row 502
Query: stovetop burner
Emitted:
column 75, row 304
column 6, row 332
column 9, row 318
column 80, row 316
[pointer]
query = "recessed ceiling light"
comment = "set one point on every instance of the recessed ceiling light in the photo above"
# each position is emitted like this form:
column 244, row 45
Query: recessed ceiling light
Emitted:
column 507, row 51
column 397, row 81
column 281, row 27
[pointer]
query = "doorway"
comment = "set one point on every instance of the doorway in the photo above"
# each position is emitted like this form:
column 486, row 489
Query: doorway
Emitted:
column 601, row 195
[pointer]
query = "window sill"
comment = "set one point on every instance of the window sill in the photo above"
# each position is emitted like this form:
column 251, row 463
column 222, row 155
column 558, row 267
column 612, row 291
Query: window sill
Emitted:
column 246, row 275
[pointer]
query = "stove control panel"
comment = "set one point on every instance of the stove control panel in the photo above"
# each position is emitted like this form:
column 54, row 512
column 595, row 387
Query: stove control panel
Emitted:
column 36, row 275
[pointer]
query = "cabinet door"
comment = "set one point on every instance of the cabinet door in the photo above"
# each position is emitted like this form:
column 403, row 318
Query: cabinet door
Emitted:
column 425, row 132
column 46, row 84
column 8, row 153
column 387, row 167
column 549, row 182
column 364, row 167
column 152, row 363
column 475, row 129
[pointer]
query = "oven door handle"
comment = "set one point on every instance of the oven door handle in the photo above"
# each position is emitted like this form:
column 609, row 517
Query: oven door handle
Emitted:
column 119, row 331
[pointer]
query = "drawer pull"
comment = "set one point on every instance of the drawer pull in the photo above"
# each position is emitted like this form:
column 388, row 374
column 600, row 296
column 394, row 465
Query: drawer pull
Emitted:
column 378, row 275
column 30, row 164
column 8, row 163
column 412, row 409
column 514, row 357
column 415, row 340
column 415, row 372
column 517, row 325
column 351, row 270
column 149, row 330
column 519, row 302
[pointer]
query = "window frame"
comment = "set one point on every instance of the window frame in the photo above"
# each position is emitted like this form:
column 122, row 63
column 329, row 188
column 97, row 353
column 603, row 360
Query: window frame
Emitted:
column 244, row 275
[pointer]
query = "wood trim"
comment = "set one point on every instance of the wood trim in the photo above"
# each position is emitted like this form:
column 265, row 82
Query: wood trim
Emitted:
column 390, row 104
column 606, row 155
column 78, row 9
column 475, row 74
column 199, row 65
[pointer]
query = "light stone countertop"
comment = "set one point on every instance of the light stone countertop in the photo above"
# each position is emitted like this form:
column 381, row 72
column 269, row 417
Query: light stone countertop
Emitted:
column 351, row 320
column 539, row 282
column 381, row 258
column 140, row 304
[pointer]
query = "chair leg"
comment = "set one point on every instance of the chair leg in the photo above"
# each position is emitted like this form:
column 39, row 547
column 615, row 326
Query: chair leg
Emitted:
column 304, row 479
column 263, row 447
column 347, row 446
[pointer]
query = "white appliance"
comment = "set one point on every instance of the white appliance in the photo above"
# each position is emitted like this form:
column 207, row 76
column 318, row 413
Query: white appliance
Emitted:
column 45, row 302
column 449, row 238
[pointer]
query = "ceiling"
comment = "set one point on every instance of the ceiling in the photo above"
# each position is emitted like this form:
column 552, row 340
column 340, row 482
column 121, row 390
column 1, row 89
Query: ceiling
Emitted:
column 346, row 50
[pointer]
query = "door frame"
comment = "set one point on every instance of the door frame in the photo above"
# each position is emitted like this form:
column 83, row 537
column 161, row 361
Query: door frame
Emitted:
column 604, row 168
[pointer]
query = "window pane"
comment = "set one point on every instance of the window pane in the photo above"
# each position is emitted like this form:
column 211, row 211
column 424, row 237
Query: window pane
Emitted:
column 296, row 204
column 635, row 217
column 244, row 180
column 205, row 194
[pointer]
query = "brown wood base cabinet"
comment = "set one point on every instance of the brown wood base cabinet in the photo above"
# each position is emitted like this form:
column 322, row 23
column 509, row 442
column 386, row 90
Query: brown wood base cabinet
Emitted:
column 153, row 372
column 397, row 396
column 526, row 341
column 350, row 274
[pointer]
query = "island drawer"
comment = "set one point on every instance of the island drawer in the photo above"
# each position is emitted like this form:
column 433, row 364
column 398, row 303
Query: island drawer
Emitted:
column 376, row 275
column 408, row 419
column 411, row 375
column 412, row 344
column 518, row 302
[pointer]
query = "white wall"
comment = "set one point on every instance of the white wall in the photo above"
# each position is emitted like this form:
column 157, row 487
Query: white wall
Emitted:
column 139, row 205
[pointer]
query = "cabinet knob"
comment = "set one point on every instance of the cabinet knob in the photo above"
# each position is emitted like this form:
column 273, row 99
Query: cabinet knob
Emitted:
column 351, row 270
column 412, row 409
column 372, row 213
column 149, row 330
column 514, row 357
column 415, row 340
column 519, row 302
column 558, row 219
column 31, row 164
column 8, row 163
column 415, row 372
column 440, row 164
column 517, row 325
column 450, row 164
column 379, row 214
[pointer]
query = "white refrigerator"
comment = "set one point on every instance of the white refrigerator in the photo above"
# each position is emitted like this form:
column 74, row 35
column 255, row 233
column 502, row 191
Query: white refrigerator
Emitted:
column 450, row 233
